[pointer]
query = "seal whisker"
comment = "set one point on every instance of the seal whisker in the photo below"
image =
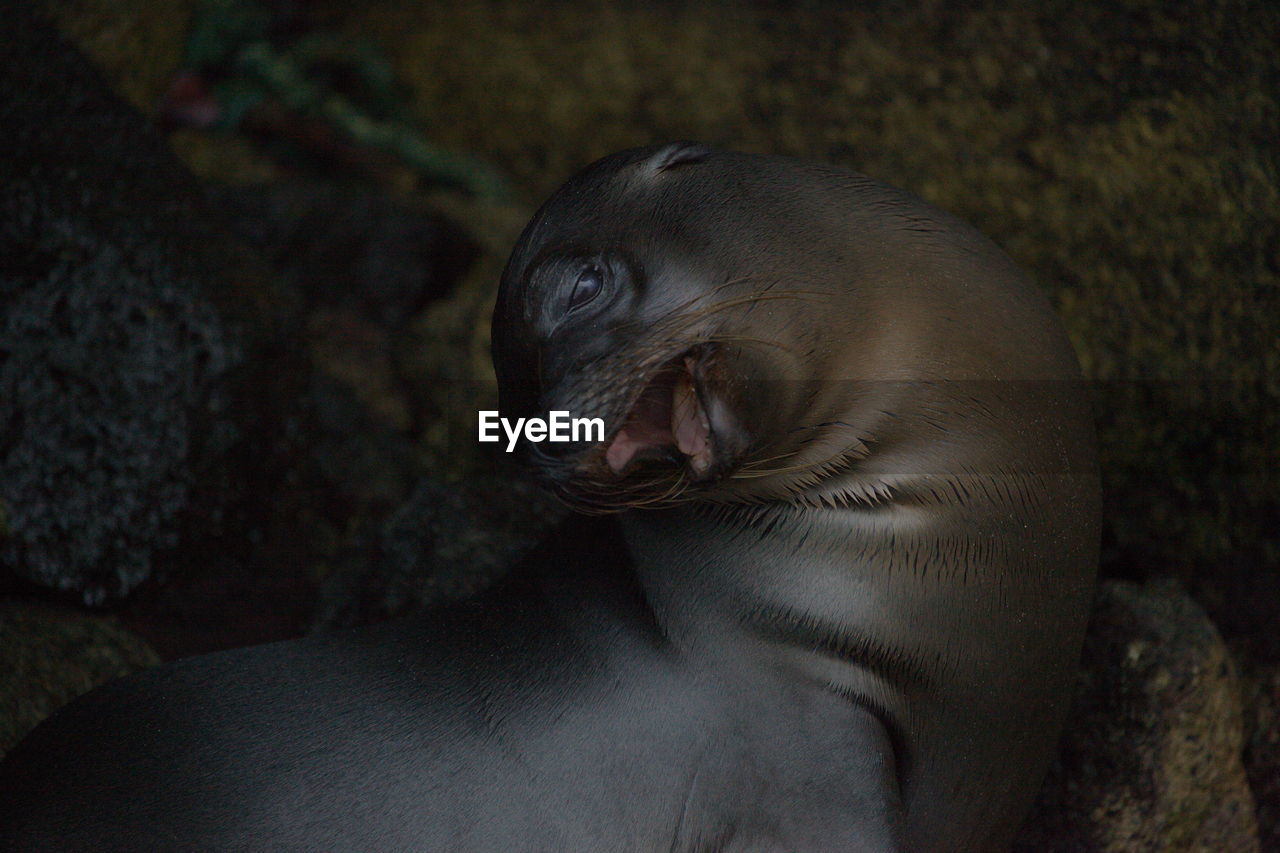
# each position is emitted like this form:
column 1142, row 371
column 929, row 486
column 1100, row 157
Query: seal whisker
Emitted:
column 743, row 339
column 758, row 462
column 827, row 466
column 694, row 300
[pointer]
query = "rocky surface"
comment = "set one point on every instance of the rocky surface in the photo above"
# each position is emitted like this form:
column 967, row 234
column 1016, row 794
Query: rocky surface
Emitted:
column 445, row 542
column 110, row 355
column 204, row 389
column 1262, row 750
column 381, row 257
column 1151, row 759
column 50, row 655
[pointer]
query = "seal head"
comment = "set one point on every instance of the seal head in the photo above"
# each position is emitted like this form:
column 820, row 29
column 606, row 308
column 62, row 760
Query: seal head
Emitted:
column 615, row 305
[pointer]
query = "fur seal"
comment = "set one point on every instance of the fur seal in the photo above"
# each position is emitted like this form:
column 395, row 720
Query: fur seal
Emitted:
column 853, row 471
column 851, row 444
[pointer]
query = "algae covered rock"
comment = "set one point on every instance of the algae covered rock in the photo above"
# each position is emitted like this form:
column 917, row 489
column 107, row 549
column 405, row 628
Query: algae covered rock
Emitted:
column 1151, row 755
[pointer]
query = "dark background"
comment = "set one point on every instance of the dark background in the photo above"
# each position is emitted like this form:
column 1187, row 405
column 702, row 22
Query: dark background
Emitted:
column 249, row 251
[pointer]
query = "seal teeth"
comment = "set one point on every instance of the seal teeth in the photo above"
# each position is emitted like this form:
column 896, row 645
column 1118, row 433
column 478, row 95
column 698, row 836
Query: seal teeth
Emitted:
column 689, row 424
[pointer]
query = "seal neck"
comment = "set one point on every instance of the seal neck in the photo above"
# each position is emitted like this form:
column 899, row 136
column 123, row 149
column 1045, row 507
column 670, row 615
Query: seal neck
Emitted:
column 708, row 574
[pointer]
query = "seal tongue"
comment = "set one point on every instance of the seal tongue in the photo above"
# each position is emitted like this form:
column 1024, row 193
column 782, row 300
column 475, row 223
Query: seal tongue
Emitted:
column 648, row 424
column 623, row 449
column 668, row 413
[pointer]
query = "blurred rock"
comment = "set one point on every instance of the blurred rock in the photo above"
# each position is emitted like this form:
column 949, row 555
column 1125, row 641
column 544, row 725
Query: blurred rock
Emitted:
column 138, row 44
column 1262, row 751
column 169, row 399
column 344, row 247
column 365, row 461
column 447, row 541
column 109, row 354
column 1151, row 756
column 361, row 265
column 50, row 655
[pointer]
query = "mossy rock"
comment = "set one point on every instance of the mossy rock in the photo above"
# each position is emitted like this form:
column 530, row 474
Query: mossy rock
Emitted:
column 137, row 44
column 50, row 655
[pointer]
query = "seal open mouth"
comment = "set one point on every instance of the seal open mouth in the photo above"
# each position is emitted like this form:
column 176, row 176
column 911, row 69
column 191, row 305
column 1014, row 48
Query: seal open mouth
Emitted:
column 667, row 418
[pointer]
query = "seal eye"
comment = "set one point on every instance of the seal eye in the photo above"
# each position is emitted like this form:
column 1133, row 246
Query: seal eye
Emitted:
column 589, row 284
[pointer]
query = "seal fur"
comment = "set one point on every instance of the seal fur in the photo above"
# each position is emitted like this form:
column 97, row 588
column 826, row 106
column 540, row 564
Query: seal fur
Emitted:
column 890, row 490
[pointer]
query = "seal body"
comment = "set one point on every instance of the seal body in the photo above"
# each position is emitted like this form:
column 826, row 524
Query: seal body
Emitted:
column 548, row 714
column 851, row 442
column 852, row 467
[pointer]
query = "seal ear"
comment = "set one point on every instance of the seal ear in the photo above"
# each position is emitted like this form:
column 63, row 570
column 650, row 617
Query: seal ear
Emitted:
column 676, row 154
